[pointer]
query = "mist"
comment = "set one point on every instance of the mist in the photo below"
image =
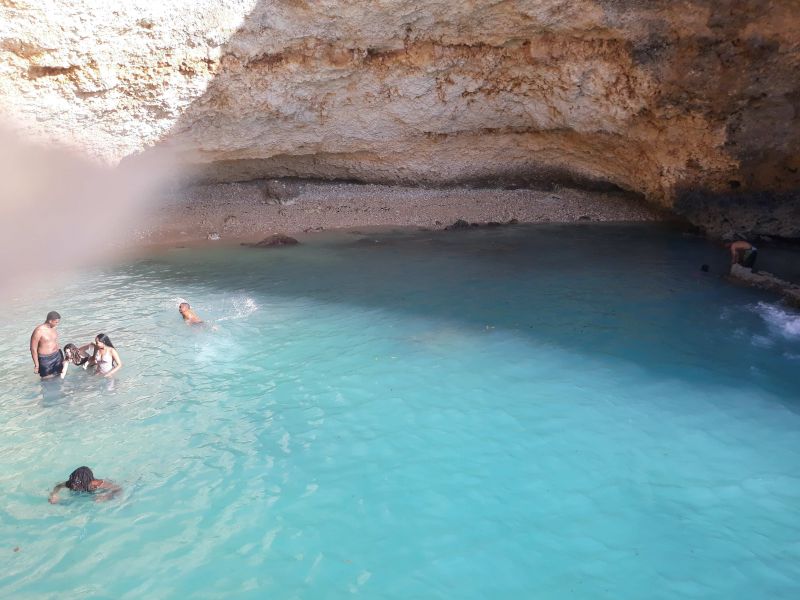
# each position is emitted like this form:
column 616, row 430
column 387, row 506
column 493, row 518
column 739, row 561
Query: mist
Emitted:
column 61, row 210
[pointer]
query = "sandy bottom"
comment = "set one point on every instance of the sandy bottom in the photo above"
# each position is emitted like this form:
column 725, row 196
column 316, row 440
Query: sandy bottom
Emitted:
column 253, row 210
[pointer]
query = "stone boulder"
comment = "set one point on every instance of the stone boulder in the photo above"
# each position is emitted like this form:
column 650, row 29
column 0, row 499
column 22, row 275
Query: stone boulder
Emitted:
column 458, row 225
column 274, row 241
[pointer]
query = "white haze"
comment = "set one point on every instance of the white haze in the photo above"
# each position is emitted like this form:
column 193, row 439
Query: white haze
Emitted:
column 60, row 211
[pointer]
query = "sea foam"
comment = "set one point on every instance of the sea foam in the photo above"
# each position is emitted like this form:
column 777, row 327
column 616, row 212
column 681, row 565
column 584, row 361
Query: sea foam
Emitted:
column 782, row 321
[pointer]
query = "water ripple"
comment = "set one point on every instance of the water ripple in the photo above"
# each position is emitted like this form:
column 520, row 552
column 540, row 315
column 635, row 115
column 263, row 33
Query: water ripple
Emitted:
column 426, row 419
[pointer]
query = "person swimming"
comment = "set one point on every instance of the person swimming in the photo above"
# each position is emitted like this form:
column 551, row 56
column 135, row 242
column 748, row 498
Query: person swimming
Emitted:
column 189, row 316
column 82, row 480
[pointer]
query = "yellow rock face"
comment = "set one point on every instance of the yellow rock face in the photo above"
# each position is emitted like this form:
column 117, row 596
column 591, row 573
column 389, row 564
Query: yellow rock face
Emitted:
column 656, row 97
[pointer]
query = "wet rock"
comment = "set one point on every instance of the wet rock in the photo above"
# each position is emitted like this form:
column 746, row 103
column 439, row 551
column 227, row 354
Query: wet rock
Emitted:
column 751, row 216
column 460, row 224
column 766, row 281
column 273, row 241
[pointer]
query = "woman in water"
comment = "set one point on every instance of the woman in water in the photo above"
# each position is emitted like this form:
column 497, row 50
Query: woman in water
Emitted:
column 73, row 354
column 105, row 356
column 82, row 480
column 78, row 357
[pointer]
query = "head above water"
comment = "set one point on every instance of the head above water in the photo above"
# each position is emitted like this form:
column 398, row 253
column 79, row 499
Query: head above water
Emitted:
column 102, row 340
column 73, row 354
column 80, row 479
column 183, row 307
column 52, row 318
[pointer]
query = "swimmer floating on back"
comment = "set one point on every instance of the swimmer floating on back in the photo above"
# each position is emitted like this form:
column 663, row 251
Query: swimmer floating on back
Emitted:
column 189, row 316
column 82, row 480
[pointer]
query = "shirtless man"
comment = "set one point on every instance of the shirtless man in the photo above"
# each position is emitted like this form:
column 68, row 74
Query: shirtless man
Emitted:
column 189, row 316
column 743, row 253
column 45, row 352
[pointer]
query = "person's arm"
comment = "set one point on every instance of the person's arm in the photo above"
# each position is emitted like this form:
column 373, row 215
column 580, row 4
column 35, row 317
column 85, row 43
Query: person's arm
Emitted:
column 35, row 349
column 64, row 368
column 116, row 362
column 83, row 350
column 110, row 489
column 53, row 499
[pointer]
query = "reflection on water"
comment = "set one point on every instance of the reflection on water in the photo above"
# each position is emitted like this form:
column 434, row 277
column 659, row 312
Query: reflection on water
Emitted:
column 552, row 411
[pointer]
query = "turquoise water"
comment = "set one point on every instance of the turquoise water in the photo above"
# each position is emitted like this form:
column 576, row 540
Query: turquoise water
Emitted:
column 532, row 412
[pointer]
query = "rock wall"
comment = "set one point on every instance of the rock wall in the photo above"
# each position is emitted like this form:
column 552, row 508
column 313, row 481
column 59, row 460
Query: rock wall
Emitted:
column 689, row 102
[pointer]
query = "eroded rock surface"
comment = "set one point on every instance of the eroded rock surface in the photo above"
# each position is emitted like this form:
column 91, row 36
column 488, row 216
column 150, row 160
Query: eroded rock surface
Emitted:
column 274, row 241
column 674, row 100
column 766, row 281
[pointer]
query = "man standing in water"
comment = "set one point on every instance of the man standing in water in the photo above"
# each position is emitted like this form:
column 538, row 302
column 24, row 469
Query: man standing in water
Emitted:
column 45, row 352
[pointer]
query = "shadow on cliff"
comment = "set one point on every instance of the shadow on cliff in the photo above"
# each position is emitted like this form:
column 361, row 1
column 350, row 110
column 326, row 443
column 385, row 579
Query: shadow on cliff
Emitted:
column 735, row 72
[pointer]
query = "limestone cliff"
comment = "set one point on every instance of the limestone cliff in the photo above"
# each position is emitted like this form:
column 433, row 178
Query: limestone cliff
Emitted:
column 690, row 103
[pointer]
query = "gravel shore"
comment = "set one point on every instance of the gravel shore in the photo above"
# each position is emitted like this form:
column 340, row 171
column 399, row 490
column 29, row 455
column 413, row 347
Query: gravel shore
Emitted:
column 250, row 211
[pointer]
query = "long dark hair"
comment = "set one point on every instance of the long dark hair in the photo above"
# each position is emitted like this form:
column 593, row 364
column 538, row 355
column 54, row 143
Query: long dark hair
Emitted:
column 80, row 479
column 76, row 358
column 104, row 339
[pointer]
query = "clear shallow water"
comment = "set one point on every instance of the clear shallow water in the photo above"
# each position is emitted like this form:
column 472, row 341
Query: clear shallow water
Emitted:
column 544, row 412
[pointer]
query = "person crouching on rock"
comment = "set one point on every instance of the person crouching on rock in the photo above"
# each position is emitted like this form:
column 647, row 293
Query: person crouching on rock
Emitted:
column 82, row 480
column 743, row 253
column 73, row 354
